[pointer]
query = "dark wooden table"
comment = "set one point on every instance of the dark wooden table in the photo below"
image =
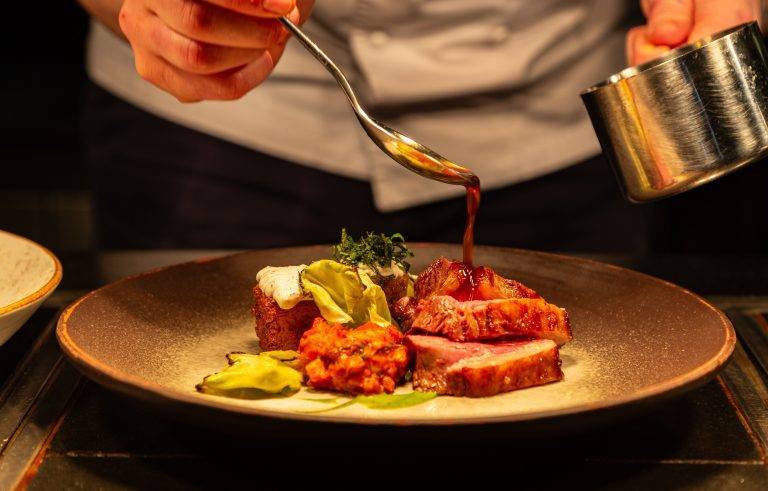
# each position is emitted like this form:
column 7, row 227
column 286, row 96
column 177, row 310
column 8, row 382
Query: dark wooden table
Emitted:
column 60, row 431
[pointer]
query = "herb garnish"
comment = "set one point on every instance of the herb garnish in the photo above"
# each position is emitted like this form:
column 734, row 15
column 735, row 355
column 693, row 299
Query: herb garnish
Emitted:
column 373, row 250
column 379, row 401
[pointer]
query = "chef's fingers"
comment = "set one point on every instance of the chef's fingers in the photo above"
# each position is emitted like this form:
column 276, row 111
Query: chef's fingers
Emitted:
column 259, row 8
column 190, row 87
column 712, row 16
column 276, row 51
column 203, row 21
column 639, row 47
column 298, row 16
column 669, row 21
column 305, row 8
column 188, row 54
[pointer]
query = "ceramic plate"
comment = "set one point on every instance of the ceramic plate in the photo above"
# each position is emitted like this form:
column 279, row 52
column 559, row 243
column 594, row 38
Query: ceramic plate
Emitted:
column 28, row 274
column 637, row 339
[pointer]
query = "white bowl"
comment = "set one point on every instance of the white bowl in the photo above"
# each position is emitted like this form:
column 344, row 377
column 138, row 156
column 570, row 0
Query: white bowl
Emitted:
column 28, row 274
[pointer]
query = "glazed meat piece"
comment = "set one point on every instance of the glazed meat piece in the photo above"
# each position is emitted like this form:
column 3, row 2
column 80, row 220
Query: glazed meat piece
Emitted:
column 395, row 288
column 466, row 305
column 446, row 277
column 280, row 329
column 442, row 277
column 404, row 311
column 483, row 320
column 477, row 304
column 368, row 359
column 480, row 370
column 490, row 286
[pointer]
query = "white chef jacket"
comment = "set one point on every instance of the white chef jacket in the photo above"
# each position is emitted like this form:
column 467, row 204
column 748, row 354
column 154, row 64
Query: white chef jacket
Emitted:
column 490, row 84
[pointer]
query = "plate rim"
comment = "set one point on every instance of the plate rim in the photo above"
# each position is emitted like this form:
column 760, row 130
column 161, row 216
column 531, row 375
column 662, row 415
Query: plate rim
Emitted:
column 130, row 385
column 44, row 290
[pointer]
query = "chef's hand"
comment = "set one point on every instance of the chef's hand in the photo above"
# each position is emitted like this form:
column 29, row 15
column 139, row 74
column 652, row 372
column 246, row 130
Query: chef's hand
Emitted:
column 671, row 23
column 208, row 49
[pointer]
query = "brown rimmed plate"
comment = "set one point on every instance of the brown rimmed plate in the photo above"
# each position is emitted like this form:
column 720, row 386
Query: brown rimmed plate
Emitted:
column 637, row 340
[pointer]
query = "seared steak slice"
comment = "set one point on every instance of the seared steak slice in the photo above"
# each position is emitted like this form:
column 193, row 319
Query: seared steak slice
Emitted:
column 403, row 311
column 280, row 329
column 527, row 364
column 482, row 320
column 446, row 277
column 442, row 277
column 489, row 286
column 434, row 355
column 465, row 305
column 480, row 370
column 395, row 288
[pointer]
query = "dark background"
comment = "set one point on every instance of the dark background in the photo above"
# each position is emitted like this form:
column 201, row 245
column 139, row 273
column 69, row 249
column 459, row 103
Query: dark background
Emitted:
column 43, row 185
column 44, row 191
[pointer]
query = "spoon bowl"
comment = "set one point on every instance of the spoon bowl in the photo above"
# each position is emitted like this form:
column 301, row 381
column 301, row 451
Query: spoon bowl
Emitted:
column 401, row 148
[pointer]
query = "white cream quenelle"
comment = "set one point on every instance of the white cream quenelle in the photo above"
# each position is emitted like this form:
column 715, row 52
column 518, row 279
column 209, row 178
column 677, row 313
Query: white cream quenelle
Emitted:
column 393, row 270
column 283, row 284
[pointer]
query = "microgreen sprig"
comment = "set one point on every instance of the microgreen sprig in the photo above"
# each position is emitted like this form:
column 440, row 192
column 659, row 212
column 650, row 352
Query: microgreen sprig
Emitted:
column 373, row 250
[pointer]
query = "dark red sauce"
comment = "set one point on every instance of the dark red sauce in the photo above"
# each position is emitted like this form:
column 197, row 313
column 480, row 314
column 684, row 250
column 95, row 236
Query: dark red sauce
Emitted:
column 466, row 289
column 467, row 178
column 473, row 203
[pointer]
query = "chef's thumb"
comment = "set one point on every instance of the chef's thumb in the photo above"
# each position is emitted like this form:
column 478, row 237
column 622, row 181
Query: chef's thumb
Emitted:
column 712, row 16
column 669, row 21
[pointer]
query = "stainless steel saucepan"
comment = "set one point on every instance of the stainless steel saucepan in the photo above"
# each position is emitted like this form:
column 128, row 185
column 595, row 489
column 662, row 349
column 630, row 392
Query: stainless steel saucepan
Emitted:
column 688, row 118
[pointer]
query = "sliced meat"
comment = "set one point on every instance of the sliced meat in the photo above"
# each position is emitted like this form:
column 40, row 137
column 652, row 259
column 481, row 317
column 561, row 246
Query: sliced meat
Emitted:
column 442, row 277
column 490, row 286
column 480, row 370
column 527, row 364
column 446, row 277
column 404, row 311
column 395, row 288
column 433, row 355
column 280, row 329
column 483, row 320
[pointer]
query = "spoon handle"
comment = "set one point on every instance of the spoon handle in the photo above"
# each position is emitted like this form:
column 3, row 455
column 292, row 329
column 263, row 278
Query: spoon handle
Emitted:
column 403, row 150
column 325, row 61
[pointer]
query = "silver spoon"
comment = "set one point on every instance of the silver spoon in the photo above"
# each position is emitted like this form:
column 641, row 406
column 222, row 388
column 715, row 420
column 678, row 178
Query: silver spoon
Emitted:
column 404, row 150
